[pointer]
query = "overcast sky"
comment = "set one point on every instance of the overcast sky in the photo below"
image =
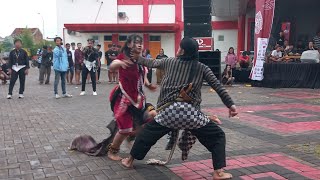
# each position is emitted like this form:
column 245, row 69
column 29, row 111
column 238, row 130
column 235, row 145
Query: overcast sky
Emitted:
column 22, row 13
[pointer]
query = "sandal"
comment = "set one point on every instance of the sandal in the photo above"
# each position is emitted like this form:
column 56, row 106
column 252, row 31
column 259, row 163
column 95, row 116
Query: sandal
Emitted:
column 220, row 175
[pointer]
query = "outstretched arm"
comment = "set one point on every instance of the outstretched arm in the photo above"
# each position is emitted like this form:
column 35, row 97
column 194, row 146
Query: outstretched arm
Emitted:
column 151, row 63
column 116, row 64
column 221, row 91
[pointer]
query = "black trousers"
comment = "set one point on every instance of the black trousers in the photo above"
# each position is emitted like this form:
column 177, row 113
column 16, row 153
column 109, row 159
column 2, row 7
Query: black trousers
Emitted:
column 85, row 72
column 149, row 75
column 99, row 71
column 211, row 136
column 22, row 78
column 45, row 70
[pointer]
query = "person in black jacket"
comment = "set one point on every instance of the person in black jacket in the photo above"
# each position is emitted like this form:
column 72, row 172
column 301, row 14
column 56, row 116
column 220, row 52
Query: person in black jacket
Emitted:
column 18, row 67
column 91, row 58
column 45, row 69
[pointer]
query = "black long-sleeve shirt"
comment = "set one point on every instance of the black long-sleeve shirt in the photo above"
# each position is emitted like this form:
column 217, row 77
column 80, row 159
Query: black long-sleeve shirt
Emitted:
column 47, row 58
column 19, row 57
column 177, row 76
column 91, row 54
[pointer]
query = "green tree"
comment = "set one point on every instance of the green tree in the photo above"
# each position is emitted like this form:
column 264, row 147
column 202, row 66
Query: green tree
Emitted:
column 27, row 39
column 7, row 44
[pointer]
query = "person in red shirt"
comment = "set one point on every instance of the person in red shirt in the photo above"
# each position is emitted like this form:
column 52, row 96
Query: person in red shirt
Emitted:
column 78, row 62
column 128, row 96
column 244, row 60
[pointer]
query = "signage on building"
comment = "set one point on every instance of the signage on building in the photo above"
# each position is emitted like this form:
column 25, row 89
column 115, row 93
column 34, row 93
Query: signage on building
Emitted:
column 205, row 44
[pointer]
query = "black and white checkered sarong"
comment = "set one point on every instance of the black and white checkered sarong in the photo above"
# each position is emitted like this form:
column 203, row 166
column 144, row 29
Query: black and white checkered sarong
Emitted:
column 182, row 115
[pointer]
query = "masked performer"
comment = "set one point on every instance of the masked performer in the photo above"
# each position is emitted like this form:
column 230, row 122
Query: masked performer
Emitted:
column 179, row 104
column 127, row 99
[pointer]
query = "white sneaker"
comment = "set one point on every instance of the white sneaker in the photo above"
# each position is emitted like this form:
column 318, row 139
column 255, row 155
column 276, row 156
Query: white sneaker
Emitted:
column 82, row 93
column 57, row 96
column 95, row 93
column 66, row 95
column 9, row 96
column 21, row 96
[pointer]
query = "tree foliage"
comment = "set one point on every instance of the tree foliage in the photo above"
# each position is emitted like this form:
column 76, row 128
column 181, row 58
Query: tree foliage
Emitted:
column 6, row 45
column 27, row 39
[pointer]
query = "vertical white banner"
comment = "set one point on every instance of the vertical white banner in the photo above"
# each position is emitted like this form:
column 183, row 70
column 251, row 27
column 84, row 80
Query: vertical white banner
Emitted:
column 257, row 70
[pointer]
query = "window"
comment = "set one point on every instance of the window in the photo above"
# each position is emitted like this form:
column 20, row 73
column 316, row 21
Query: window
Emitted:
column 220, row 38
column 96, row 38
column 123, row 38
column 107, row 38
column 155, row 38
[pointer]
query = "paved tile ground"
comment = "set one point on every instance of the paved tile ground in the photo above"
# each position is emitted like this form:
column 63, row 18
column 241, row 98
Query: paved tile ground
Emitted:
column 276, row 135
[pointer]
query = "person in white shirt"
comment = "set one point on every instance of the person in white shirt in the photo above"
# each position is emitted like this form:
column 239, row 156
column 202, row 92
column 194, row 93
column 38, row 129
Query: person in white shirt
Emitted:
column 73, row 49
column 276, row 55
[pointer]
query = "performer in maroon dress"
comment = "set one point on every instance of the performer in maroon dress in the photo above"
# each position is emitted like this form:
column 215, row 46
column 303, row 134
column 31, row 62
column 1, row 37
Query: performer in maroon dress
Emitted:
column 128, row 98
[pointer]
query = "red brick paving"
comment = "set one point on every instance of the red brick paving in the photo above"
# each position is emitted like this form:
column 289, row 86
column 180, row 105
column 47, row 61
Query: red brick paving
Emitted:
column 263, row 175
column 297, row 95
column 246, row 116
column 201, row 169
column 293, row 115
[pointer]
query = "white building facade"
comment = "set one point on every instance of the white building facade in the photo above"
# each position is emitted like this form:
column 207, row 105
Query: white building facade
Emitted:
column 159, row 22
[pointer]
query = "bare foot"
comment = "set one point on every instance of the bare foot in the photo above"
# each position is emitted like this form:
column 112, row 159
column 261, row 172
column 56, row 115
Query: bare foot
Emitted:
column 127, row 162
column 114, row 157
column 220, row 175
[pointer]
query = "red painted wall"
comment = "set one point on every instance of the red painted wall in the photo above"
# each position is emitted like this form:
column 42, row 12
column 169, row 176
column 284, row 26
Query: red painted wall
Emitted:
column 220, row 25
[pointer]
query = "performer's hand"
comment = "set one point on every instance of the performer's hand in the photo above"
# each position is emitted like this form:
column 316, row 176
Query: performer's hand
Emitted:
column 26, row 72
column 10, row 71
column 215, row 119
column 233, row 111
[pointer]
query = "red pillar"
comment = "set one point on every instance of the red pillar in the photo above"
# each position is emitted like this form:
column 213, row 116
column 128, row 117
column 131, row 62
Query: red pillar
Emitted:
column 177, row 39
column 145, row 41
column 145, row 12
column 241, row 33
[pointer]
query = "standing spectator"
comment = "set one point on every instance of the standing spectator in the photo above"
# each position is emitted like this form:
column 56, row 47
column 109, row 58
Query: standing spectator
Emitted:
column 231, row 58
column 91, row 58
column 111, row 55
column 99, row 63
column 70, row 71
column 60, row 66
column 73, row 50
column 280, row 39
column 45, row 69
column 146, row 54
column 39, row 59
column 18, row 67
column 160, row 72
column 316, row 40
column 78, row 61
